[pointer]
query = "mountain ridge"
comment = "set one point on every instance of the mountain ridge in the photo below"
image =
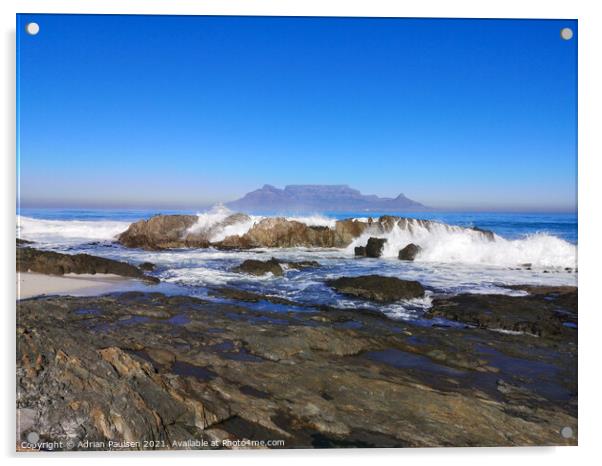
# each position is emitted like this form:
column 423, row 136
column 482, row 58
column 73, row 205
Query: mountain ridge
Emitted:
column 321, row 198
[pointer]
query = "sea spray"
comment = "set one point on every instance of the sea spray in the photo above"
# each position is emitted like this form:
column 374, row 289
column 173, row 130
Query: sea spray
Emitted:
column 210, row 223
column 444, row 243
column 68, row 231
column 441, row 243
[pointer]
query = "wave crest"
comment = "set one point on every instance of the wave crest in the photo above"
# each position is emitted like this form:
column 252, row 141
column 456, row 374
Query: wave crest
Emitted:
column 68, row 231
column 215, row 225
column 452, row 244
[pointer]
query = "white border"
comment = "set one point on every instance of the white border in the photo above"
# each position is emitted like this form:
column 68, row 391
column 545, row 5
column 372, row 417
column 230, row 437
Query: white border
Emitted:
column 590, row 195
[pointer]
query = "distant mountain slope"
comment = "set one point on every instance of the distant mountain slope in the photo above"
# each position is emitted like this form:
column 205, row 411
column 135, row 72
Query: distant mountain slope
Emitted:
column 320, row 198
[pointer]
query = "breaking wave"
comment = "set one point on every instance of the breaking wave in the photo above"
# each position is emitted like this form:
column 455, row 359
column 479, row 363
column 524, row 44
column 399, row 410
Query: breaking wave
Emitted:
column 68, row 231
column 452, row 244
column 212, row 222
column 440, row 242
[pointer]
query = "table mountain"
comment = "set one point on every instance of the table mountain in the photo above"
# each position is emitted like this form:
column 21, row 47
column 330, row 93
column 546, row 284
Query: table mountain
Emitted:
column 320, row 198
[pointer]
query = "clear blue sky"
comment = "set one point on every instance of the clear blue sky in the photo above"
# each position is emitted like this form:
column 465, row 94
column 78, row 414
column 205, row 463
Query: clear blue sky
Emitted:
column 160, row 111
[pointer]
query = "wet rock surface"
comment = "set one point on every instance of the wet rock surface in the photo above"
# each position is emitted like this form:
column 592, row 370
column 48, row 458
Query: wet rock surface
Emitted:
column 410, row 252
column 257, row 267
column 298, row 265
column 274, row 266
column 248, row 296
column 377, row 288
column 373, row 248
column 55, row 263
column 145, row 366
column 549, row 312
column 147, row 266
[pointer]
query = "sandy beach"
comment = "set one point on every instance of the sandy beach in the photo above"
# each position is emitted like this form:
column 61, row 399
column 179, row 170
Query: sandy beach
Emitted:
column 31, row 284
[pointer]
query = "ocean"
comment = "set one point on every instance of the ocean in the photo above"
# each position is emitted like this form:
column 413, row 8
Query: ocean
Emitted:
column 529, row 248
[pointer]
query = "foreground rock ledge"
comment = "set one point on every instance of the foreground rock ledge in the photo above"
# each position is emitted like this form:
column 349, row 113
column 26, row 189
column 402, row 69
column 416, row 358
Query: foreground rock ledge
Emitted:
column 144, row 366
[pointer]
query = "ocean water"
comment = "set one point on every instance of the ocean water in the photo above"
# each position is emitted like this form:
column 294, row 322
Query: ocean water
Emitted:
column 529, row 248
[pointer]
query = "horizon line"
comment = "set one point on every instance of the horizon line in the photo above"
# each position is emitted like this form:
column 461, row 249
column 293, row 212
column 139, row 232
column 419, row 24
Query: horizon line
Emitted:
column 203, row 206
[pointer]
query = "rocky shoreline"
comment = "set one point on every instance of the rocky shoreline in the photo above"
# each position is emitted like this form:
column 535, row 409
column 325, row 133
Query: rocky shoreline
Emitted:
column 145, row 366
column 182, row 372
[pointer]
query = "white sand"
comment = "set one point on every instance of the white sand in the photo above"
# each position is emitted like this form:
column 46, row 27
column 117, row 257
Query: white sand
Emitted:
column 31, row 284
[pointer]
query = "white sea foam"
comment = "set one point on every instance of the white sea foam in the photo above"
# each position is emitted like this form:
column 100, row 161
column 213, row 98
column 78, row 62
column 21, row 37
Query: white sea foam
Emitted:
column 68, row 231
column 207, row 220
column 210, row 222
column 451, row 244
column 315, row 220
column 236, row 229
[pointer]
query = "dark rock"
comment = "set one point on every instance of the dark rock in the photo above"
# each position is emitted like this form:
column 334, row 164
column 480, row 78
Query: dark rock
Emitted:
column 488, row 234
column 147, row 266
column 360, row 251
column 545, row 313
column 564, row 296
column 23, row 242
column 248, row 296
column 375, row 246
column 54, row 263
column 377, row 288
column 297, row 265
column 410, row 252
column 255, row 267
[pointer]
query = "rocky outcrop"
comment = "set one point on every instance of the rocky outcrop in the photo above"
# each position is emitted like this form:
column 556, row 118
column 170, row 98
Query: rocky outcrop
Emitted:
column 409, row 252
column 274, row 266
column 54, row 263
column 139, row 367
column 248, row 296
column 345, row 231
column 545, row 313
column 173, row 231
column 180, row 231
column 278, row 232
column 255, row 267
column 377, row 288
column 159, row 232
column 147, row 266
column 297, row 265
column 375, row 246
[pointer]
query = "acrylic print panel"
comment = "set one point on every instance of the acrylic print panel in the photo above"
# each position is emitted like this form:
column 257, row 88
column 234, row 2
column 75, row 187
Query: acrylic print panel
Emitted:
column 295, row 232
